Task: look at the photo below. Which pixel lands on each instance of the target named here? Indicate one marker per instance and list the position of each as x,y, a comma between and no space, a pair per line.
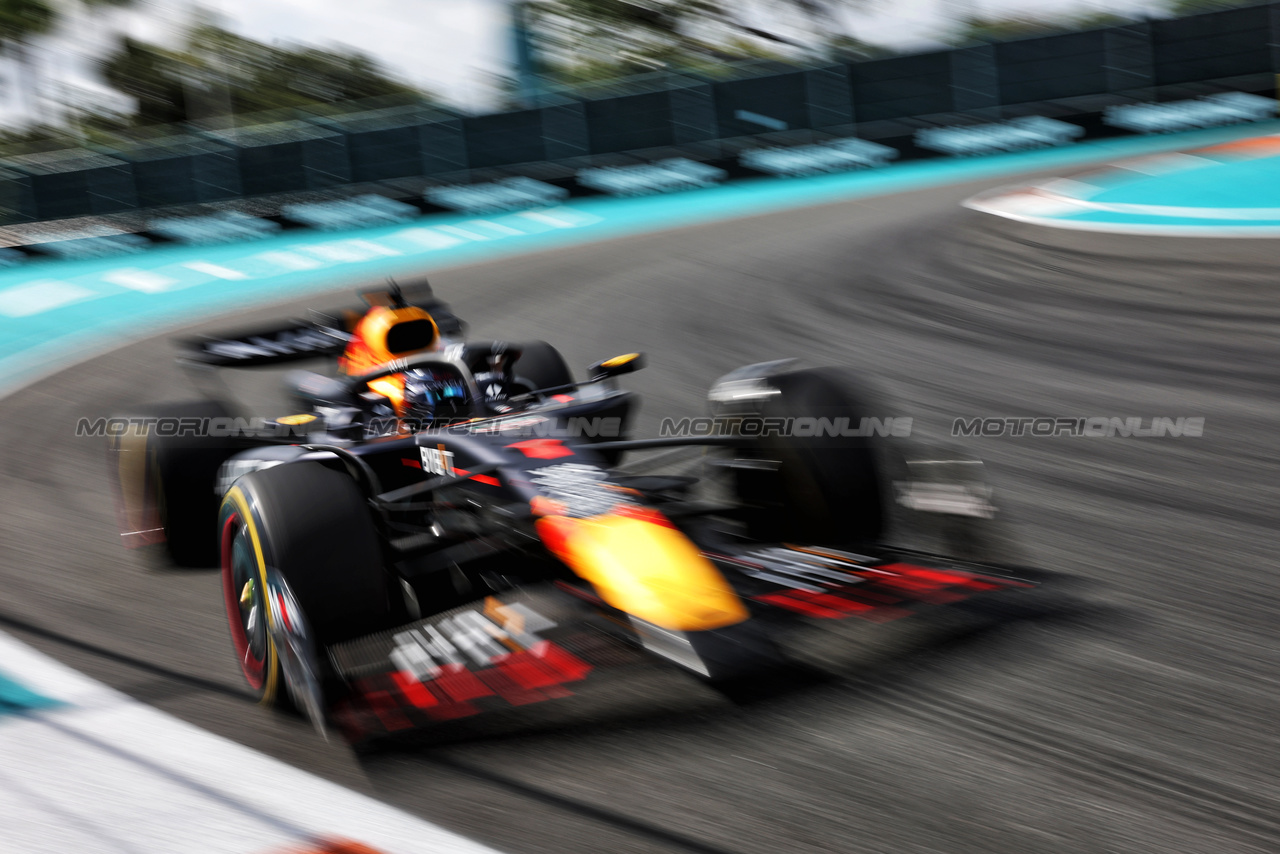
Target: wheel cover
244,589
245,606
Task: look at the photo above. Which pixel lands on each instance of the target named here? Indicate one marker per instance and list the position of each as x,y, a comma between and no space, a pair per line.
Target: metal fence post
830,101
1273,43
444,146
564,131
1130,62
17,199
975,82
693,114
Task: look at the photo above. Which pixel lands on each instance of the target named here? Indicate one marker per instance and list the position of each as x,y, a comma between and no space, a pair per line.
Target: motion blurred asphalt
1131,710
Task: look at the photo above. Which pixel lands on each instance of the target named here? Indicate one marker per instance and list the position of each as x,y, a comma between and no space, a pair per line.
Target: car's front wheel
821,485
302,568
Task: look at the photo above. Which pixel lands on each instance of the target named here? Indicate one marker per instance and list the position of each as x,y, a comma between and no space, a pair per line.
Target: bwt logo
1092,427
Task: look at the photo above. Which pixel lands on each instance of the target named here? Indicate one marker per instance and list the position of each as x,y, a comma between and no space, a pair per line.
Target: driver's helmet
383,334
430,398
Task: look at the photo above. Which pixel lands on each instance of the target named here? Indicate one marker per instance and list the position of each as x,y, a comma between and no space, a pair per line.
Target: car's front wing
826,584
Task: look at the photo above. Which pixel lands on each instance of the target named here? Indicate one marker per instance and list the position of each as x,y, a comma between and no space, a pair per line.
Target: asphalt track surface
1129,707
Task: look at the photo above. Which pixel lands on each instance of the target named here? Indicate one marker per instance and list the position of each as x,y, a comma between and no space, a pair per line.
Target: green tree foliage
709,61
218,71
851,49
983,29
591,40
154,77
1196,7
20,22
22,19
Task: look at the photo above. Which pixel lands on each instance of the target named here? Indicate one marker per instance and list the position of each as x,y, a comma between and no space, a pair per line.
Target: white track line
1039,206
107,773
39,297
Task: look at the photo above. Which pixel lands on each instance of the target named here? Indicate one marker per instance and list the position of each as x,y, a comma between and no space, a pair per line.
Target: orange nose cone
646,568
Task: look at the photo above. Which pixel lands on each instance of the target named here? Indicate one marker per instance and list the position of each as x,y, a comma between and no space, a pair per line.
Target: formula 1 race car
448,527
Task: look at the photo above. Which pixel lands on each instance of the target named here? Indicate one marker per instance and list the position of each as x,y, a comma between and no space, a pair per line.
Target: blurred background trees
208,72
219,72
995,29
1195,7
581,40
20,22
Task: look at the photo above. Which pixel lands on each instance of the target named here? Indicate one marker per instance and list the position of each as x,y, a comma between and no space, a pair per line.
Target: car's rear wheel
172,465
820,488
306,530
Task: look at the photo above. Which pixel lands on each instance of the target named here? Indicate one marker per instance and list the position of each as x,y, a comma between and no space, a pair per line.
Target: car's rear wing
289,341
324,334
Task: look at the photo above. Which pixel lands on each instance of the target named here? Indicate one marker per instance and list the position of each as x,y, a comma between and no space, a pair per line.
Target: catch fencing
406,150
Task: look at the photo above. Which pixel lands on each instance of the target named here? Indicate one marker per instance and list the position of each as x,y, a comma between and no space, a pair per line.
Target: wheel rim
245,600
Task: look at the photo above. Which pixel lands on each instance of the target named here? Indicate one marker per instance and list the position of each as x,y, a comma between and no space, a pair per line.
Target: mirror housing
616,366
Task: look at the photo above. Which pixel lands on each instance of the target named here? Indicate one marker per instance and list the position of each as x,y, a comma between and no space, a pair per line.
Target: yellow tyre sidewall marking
271,674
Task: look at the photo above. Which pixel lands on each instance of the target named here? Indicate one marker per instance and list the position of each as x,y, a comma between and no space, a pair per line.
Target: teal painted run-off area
1204,191
1227,190
56,313
1250,184
16,698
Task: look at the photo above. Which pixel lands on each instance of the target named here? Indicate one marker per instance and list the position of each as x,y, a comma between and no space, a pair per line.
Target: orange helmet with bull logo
390,329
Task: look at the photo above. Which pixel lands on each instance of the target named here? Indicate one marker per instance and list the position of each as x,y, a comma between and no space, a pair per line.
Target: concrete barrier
506,195
835,156
1229,108
664,176
224,227
1015,135
360,212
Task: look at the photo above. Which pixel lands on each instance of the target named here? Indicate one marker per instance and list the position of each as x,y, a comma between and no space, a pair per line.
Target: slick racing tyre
817,489
176,473
541,366
301,569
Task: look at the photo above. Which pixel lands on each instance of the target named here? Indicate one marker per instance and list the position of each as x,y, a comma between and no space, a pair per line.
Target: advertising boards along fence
885,100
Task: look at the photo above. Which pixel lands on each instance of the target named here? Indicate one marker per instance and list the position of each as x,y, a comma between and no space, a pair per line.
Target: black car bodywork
382,579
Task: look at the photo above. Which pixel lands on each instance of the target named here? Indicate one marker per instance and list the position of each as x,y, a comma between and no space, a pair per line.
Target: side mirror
616,366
